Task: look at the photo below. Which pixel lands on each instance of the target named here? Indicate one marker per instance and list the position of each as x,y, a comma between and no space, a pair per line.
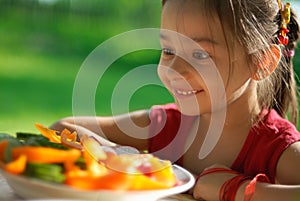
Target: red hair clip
285,12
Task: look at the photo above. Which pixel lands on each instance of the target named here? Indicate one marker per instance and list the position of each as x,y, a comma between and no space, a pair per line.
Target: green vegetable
24,136
40,140
81,163
46,172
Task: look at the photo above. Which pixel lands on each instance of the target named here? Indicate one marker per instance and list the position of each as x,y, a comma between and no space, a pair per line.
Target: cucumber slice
45,172
24,136
40,140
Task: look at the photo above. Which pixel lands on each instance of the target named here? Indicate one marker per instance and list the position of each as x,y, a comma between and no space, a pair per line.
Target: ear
268,63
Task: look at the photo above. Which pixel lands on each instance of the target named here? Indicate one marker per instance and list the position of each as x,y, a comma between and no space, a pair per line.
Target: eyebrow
204,39
196,39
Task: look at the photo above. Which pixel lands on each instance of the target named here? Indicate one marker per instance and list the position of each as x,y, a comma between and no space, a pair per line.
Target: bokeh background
43,44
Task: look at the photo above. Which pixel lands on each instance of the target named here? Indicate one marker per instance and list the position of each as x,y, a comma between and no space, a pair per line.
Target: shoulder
287,140
273,135
288,166
267,144
275,127
279,132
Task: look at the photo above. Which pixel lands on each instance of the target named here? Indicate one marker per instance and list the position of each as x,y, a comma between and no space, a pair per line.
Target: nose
177,68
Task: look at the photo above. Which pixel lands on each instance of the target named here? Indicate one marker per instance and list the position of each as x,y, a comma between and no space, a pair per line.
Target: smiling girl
228,65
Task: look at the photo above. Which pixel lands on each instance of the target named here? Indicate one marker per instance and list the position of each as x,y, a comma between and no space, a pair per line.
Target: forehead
190,18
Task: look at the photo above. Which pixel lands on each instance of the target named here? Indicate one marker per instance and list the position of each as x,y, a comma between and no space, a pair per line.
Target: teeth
185,93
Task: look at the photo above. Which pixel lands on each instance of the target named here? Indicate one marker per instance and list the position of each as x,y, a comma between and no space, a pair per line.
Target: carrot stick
46,154
48,133
70,136
17,166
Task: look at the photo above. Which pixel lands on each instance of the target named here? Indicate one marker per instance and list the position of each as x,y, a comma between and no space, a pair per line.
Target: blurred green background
44,43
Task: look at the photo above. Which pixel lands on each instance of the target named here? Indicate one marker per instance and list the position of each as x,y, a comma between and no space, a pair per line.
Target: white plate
35,189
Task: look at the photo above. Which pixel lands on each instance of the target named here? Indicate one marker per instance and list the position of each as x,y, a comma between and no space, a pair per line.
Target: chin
188,109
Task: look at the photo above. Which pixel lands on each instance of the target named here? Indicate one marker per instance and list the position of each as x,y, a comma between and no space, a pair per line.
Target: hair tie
289,53
285,13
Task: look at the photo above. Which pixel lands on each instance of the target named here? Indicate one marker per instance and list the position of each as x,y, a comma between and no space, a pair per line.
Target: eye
200,54
168,51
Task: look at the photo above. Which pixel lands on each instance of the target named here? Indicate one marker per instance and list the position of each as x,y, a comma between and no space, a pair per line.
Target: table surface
7,194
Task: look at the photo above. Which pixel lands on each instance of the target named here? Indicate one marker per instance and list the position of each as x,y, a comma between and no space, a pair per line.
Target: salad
62,158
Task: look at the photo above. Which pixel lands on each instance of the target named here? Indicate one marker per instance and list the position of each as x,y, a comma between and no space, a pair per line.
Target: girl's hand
208,186
81,131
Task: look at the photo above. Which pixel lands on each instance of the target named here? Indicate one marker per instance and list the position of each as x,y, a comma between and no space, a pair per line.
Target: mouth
185,93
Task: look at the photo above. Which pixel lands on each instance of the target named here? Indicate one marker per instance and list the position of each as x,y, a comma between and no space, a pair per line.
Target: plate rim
156,193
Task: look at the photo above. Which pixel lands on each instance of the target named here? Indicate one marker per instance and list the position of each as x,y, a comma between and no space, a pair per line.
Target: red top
260,153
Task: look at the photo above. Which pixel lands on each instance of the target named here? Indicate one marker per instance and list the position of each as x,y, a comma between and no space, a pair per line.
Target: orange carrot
48,133
70,136
17,166
69,139
46,154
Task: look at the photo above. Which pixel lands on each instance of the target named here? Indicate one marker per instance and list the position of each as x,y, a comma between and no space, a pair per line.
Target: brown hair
255,24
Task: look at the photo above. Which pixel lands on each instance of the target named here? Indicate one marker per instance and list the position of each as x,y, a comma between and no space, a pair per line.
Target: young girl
249,45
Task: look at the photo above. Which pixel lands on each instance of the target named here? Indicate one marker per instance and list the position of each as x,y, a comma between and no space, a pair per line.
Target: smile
186,92
180,92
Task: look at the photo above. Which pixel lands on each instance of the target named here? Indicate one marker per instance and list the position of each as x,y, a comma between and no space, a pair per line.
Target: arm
128,129
271,192
287,187
287,176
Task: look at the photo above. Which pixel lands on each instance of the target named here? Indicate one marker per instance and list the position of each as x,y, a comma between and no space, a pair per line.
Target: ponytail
285,100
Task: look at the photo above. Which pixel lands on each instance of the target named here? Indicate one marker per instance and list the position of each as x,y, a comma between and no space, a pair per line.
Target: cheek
239,75
223,68
161,73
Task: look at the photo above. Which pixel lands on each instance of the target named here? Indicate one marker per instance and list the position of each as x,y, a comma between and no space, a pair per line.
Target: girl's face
194,51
